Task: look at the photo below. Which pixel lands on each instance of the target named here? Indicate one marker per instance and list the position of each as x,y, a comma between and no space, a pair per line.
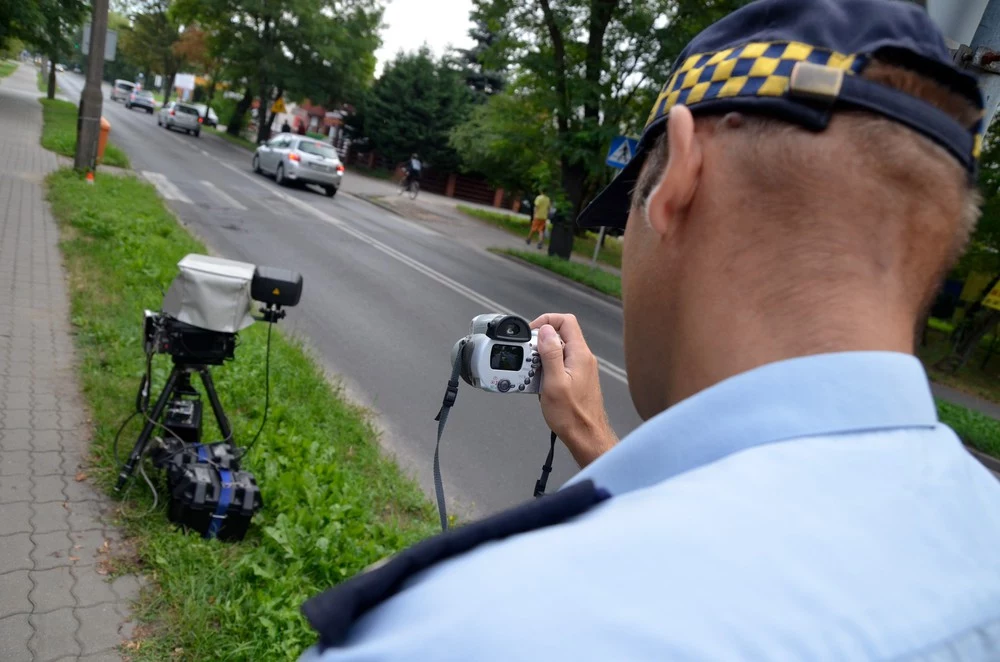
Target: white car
122,89
296,159
182,116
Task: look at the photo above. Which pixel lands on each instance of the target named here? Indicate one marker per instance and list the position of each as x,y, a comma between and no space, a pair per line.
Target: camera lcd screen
506,357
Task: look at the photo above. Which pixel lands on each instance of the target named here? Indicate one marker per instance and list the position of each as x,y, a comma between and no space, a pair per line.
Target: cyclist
412,169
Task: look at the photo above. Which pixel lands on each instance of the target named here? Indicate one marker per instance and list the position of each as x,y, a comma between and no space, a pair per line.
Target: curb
380,205
569,281
990,463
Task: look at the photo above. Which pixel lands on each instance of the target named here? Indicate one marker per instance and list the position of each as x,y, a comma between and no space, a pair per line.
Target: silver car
179,115
296,159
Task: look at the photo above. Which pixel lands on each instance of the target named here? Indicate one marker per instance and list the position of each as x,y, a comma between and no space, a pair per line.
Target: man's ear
671,197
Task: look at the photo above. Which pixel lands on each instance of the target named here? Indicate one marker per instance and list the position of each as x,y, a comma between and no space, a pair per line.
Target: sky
411,23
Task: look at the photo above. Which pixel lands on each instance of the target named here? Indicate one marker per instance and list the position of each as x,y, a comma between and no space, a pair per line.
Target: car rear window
126,86
319,149
188,110
145,94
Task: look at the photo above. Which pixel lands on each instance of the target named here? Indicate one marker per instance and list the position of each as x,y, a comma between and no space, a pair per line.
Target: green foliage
323,50
11,47
7,68
332,503
975,429
59,132
600,280
413,107
512,140
595,66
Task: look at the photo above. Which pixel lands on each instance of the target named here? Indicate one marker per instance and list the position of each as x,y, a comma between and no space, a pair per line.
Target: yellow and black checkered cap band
757,69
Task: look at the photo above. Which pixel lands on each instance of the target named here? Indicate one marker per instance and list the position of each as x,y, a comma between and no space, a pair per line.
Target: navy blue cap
798,61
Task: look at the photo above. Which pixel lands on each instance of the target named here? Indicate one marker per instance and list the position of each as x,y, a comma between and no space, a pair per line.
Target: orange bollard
102,142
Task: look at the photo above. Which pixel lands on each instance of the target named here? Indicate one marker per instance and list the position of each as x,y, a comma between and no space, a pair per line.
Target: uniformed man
804,182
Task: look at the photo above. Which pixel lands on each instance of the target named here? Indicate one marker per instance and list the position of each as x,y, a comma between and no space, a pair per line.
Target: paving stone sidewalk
56,602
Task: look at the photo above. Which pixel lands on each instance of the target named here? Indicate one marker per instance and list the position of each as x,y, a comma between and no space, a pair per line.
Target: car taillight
340,168
172,113
294,157
200,119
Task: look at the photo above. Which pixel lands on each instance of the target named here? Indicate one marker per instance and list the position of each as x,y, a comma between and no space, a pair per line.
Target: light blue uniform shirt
811,509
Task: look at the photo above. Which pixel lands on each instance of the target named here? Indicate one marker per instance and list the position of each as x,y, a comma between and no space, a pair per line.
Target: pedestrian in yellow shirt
539,218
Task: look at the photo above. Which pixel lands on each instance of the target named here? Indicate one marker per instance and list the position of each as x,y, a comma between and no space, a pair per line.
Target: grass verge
332,503
7,67
519,224
239,141
975,429
59,132
375,173
600,280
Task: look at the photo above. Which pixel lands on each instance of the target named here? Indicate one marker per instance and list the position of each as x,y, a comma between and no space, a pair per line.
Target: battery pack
217,503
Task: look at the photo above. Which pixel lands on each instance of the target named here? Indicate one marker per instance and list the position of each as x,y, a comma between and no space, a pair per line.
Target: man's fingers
565,324
551,352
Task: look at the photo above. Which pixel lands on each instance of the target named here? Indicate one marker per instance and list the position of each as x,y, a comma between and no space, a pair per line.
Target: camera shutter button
503,385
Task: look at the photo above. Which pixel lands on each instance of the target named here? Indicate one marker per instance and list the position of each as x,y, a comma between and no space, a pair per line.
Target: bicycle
412,186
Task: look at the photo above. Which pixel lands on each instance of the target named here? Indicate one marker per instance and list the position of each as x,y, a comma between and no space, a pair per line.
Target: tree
152,40
597,64
475,64
318,49
414,106
513,140
49,25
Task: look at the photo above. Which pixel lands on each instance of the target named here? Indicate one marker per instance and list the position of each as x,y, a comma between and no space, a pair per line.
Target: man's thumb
550,348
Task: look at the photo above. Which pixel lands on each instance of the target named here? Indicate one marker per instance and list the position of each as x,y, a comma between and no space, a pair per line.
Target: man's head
751,238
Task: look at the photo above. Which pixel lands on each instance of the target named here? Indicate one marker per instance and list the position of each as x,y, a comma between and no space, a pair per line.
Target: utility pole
88,123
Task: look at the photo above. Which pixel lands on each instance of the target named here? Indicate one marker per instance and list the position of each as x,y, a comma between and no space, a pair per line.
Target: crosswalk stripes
227,200
166,188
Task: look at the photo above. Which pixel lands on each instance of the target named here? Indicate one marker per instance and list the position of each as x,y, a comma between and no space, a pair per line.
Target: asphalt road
385,299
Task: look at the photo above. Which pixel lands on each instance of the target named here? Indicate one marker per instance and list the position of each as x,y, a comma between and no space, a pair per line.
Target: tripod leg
213,398
140,444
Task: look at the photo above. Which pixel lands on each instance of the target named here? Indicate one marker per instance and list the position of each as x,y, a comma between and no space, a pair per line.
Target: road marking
490,305
166,187
227,199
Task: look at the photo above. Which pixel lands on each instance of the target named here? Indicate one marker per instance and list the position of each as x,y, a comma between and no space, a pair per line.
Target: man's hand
571,398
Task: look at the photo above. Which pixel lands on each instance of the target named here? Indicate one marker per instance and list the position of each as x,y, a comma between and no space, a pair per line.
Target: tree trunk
236,121
168,86
264,95
51,92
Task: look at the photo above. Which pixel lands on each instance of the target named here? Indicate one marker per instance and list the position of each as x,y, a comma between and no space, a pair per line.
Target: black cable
267,392
114,444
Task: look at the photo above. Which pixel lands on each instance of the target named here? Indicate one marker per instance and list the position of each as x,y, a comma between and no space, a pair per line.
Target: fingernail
546,336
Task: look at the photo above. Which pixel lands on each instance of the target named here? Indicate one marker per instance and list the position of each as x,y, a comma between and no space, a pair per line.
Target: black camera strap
450,396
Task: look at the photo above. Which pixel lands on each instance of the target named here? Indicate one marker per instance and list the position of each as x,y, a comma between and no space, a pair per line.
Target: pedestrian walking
539,218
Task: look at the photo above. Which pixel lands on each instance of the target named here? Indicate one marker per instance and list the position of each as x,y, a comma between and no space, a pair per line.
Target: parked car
60,67
142,99
298,159
179,115
121,89
76,69
212,119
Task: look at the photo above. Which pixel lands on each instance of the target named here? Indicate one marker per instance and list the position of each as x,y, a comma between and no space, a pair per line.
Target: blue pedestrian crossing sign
621,152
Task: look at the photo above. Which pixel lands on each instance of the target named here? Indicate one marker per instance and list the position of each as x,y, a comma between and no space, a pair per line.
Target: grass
600,280
975,429
43,80
239,141
7,67
59,132
332,503
376,173
611,253
974,378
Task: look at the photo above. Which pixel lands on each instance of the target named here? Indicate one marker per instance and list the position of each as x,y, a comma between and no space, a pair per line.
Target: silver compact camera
500,355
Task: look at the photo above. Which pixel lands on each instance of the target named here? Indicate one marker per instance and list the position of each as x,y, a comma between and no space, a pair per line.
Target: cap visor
611,206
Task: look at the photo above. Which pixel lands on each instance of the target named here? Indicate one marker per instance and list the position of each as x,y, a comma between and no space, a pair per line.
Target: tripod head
271,313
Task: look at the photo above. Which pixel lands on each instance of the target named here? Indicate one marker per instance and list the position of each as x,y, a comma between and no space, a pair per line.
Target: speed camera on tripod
208,303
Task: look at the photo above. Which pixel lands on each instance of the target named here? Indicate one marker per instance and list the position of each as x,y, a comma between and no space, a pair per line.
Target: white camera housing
500,355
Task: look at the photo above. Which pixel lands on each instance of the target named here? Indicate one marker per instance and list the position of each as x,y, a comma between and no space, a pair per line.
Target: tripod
178,383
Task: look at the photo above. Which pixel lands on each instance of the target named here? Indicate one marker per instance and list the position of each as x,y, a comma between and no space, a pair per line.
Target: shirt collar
820,395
